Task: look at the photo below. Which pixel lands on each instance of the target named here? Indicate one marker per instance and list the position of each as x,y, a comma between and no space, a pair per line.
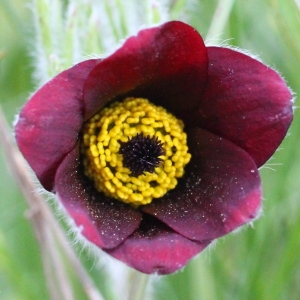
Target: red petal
154,248
103,221
49,123
246,102
167,64
219,192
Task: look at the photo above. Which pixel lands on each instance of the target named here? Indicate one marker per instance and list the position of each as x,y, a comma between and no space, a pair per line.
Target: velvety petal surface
219,192
49,123
103,221
246,102
167,64
155,248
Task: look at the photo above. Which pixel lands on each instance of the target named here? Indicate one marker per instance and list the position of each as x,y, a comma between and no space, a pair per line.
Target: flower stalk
138,285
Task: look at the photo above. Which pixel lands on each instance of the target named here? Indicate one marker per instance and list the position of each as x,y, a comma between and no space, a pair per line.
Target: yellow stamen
103,136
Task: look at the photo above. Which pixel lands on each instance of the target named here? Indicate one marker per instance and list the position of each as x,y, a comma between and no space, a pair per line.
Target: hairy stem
42,221
137,283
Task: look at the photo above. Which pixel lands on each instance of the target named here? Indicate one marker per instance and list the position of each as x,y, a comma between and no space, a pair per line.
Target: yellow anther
102,163
132,120
113,132
175,133
148,192
157,124
113,126
148,121
158,192
116,182
136,198
108,185
136,181
121,195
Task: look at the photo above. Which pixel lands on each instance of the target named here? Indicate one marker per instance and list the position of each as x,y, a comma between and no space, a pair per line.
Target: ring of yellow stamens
103,135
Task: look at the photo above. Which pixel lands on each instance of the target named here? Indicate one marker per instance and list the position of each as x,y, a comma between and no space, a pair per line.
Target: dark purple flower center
141,154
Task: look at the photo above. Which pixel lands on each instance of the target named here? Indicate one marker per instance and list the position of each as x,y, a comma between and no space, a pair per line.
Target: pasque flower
154,151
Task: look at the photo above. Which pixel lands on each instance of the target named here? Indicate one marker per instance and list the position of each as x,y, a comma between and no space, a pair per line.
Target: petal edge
245,102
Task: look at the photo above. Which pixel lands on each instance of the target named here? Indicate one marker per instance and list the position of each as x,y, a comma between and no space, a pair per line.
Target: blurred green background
258,263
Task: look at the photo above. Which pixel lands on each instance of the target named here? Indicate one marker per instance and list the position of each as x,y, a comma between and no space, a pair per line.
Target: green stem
202,281
137,285
220,18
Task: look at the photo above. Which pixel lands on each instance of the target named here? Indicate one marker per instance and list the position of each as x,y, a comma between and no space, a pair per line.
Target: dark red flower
236,112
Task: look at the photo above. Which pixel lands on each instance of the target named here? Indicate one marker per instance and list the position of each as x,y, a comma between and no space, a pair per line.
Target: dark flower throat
141,154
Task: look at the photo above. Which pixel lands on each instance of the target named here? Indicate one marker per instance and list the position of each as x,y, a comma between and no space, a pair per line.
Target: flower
235,112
